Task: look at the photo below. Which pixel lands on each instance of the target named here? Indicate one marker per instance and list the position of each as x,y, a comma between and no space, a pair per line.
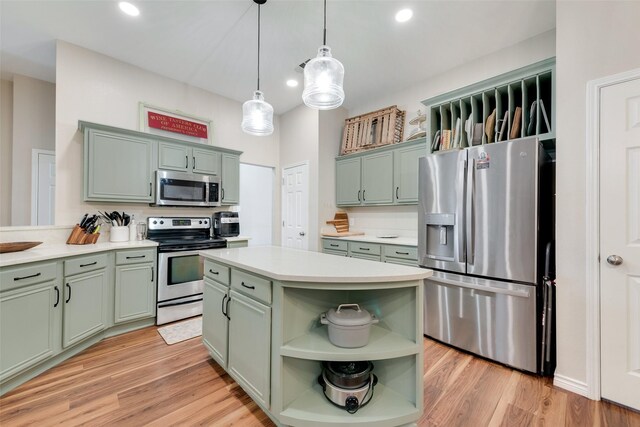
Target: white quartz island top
287,264
46,252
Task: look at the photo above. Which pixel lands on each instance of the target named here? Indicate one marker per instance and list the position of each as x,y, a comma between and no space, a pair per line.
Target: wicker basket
372,130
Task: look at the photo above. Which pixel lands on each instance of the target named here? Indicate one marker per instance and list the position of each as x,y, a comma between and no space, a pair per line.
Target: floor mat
181,331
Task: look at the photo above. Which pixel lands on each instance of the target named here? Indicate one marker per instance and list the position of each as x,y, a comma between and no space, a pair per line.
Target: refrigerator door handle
470,226
491,289
462,169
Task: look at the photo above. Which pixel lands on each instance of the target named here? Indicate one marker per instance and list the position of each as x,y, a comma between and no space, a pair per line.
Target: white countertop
402,241
305,266
46,252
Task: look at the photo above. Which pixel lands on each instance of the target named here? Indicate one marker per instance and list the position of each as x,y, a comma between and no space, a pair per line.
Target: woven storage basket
371,130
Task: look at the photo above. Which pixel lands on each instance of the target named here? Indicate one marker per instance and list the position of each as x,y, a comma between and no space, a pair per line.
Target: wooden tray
17,246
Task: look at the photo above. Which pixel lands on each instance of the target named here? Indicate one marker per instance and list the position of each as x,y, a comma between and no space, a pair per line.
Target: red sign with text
174,124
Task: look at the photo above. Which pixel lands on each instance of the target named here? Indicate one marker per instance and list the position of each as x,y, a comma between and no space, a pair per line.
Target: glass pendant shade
323,80
257,116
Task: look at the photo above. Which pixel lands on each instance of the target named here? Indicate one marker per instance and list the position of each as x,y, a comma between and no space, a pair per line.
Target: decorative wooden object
340,221
78,236
371,130
17,246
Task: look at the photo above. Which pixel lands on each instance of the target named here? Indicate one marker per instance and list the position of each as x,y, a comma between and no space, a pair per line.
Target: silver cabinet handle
302,233
614,259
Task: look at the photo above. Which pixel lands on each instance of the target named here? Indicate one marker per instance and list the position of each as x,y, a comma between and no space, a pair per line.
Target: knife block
79,237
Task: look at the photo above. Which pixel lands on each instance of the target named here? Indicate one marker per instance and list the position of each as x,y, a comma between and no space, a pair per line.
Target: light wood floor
136,379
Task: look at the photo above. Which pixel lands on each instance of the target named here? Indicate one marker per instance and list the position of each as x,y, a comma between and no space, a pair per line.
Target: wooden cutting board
344,234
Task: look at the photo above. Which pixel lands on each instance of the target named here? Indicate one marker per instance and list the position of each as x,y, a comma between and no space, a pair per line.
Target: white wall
331,123
257,210
404,220
100,89
6,141
33,127
594,39
298,144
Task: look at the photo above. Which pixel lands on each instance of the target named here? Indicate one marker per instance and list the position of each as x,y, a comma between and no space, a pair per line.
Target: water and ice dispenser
440,236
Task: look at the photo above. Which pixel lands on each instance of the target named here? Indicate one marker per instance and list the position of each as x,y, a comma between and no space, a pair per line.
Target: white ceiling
212,44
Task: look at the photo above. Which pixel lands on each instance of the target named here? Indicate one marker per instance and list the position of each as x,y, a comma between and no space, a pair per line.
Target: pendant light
257,115
323,77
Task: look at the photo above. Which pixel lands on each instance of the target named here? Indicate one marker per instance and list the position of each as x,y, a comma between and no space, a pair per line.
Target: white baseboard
572,385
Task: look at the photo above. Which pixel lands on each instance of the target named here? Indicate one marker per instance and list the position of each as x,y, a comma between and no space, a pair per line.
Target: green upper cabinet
348,190
117,167
183,158
206,161
405,173
377,178
230,179
384,176
173,157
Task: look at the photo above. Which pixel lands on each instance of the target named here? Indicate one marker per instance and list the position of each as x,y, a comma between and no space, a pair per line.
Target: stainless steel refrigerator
485,220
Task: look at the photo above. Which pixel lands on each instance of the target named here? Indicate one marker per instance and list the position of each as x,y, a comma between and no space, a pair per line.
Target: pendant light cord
258,46
324,35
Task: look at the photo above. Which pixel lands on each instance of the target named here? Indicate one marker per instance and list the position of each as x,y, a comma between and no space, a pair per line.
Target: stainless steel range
180,268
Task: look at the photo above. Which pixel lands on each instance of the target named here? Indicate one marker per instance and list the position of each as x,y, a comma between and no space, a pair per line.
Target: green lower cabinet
365,256
84,311
334,252
230,181
250,346
238,244
215,325
27,326
135,291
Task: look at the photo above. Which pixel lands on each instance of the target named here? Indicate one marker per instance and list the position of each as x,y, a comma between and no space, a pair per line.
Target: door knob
614,259
302,233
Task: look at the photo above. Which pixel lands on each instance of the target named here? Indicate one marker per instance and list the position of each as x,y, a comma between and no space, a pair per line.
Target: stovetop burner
181,234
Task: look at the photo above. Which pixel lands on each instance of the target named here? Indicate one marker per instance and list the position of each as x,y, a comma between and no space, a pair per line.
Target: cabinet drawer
332,252
400,261
11,278
364,248
334,245
85,263
251,285
366,256
216,271
134,257
404,252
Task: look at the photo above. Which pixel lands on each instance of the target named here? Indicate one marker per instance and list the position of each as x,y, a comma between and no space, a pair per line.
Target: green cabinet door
249,346
348,192
215,325
230,179
174,157
84,311
27,326
206,162
117,168
377,178
405,173
135,292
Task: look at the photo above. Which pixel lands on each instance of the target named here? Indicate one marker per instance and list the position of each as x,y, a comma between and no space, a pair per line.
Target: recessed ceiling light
128,8
292,83
404,15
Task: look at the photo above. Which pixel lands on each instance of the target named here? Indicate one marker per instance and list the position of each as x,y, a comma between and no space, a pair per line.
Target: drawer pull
57,296
87,265
248,286
402,253
333,245
135,257
213,272
27,277
365,249
69,297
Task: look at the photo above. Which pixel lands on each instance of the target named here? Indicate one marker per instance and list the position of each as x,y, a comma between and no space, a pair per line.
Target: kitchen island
261,323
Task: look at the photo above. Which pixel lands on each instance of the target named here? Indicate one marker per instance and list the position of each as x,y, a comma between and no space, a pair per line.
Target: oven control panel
181,223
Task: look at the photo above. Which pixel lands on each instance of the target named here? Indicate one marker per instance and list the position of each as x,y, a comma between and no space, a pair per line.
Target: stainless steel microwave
185,189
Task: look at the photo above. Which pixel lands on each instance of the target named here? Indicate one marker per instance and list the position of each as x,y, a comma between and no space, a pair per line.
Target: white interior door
295,207
43,187
620,242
